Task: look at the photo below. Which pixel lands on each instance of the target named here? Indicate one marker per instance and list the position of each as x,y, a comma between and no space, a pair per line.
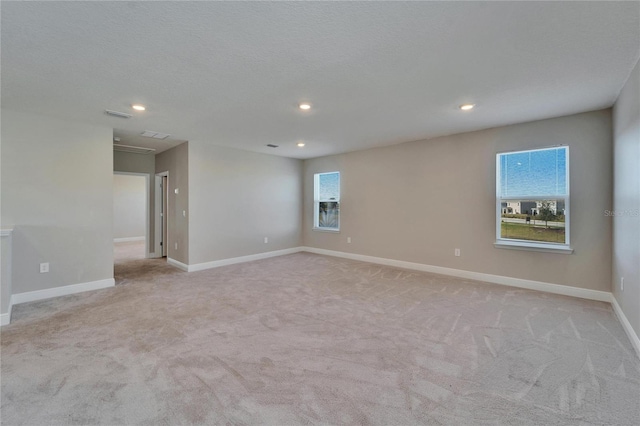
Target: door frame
147,196
160,216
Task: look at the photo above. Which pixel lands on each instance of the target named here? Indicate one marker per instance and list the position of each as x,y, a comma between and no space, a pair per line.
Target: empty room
320,213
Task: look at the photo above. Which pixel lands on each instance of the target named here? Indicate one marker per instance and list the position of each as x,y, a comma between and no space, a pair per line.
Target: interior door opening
131,211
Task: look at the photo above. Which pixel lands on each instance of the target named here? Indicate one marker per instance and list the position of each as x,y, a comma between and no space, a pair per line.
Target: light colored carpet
309,339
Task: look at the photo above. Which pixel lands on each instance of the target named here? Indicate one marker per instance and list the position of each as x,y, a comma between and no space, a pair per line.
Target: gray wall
129,206
57,179
237,198
176,162
418,201
140,163
626,199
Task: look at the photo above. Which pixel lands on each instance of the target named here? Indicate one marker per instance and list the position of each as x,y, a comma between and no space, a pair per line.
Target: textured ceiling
376,73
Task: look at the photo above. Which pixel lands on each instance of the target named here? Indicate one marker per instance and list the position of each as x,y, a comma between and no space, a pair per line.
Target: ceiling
376,73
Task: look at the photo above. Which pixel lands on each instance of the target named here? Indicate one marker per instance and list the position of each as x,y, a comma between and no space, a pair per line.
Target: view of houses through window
326,188
532,196
533,220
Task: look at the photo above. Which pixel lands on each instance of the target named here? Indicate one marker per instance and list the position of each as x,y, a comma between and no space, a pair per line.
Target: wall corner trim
635,341
5,318
32,296
178,264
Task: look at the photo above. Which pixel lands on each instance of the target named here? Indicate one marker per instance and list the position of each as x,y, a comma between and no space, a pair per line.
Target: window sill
546,248
333,230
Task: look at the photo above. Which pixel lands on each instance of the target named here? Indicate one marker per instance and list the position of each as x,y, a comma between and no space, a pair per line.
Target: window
326,206
532,199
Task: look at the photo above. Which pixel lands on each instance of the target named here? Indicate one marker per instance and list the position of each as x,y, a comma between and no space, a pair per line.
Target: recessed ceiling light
305,106
467,107
300,144
138,107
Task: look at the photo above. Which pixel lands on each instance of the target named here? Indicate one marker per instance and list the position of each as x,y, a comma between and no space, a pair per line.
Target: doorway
131,212
131,265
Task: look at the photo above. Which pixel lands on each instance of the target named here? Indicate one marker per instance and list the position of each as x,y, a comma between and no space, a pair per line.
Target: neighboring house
511,207
557,207
531,207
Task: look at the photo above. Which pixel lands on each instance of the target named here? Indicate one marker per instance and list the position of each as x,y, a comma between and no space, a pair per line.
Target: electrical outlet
348,240
175,246
266,240
621,283
177,190
457,252
44,268
184,213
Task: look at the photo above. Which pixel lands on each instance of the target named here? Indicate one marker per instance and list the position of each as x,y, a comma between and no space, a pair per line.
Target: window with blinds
532,197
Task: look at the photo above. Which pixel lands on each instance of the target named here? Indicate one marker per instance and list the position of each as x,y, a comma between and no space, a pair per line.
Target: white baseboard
635,341
241,259
566,290
128,239
178,264
32,296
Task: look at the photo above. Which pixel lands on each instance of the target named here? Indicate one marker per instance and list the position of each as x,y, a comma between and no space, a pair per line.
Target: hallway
130,264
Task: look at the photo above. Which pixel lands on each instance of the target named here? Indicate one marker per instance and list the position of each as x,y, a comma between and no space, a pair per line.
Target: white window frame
317,201
511,243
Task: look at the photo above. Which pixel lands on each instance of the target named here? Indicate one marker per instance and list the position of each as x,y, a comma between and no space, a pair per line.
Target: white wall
57,179
418,201
626,199
129,206
237,198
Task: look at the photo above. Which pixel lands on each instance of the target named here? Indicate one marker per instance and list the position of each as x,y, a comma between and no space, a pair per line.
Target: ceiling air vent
270,145
133,149
117,113
155,135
